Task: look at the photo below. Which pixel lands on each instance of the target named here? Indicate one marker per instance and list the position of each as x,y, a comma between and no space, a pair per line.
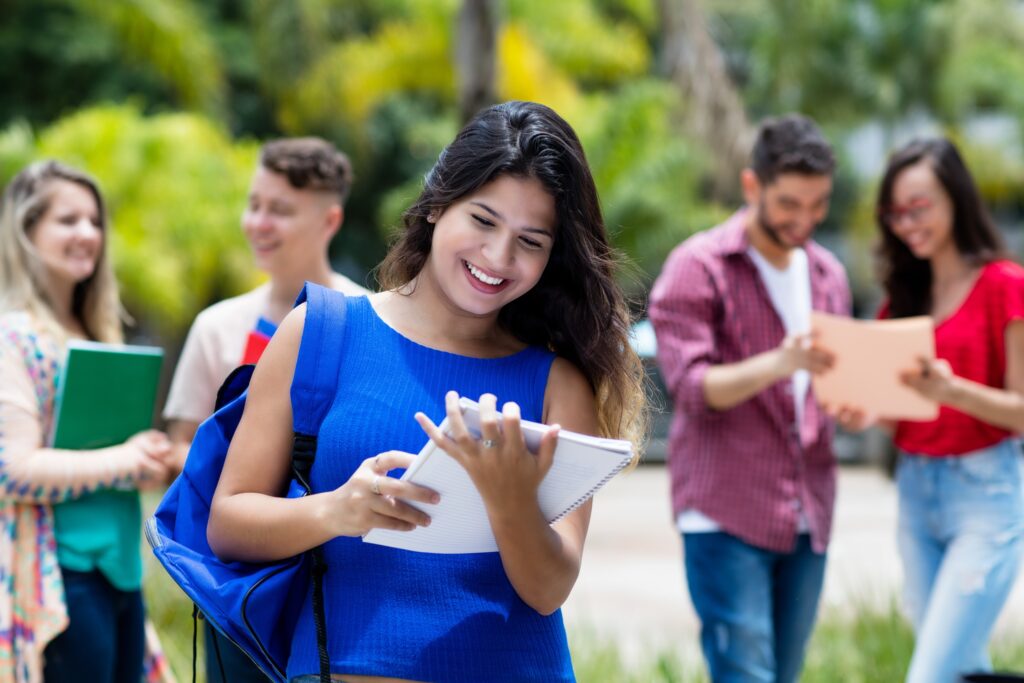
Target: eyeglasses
912,212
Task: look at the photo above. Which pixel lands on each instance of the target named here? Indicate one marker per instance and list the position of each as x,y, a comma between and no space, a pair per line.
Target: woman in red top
961,507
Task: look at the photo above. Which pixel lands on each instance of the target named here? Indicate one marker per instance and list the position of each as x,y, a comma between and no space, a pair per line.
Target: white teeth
479,275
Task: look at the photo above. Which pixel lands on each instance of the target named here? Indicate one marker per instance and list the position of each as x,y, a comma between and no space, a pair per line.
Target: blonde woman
73,603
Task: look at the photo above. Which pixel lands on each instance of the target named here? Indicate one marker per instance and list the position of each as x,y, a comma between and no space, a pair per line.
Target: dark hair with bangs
576,309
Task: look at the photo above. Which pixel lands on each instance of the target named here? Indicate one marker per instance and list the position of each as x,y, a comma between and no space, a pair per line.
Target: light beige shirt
215,345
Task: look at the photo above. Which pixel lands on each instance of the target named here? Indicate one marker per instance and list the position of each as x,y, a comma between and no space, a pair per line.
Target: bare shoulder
277,364
569,399
258,455
293,323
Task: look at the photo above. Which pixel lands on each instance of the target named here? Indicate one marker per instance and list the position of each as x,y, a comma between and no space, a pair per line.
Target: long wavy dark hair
576,309
906,278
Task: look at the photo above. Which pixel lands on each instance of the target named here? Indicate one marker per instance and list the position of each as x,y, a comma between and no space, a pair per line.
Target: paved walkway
631,588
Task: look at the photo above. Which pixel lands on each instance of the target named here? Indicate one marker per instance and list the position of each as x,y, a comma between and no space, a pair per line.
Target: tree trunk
715,112
474,56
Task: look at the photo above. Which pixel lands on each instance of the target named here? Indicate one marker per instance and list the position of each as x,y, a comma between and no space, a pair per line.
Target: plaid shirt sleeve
683,309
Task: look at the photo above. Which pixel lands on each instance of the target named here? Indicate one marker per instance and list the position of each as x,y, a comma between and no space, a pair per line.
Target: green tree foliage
175,185
378,78
985,59
389,95
56,55
648,176
592,47
171,37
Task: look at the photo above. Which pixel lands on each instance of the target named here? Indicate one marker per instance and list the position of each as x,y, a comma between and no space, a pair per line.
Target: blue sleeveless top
420,616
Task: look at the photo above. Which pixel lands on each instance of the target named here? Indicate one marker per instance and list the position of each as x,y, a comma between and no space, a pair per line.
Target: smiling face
921,214
789,208
69,236
287,228
492,246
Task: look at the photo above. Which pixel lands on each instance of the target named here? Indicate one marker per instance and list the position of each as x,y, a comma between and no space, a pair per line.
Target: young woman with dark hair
501,287
961,506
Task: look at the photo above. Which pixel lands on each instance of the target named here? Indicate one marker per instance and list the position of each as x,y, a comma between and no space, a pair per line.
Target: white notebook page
459,522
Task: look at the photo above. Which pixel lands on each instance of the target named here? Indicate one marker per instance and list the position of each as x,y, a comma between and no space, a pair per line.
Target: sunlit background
167,101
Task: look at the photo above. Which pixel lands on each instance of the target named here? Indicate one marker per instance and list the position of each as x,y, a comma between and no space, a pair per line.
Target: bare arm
686,311
542,561
249,520
51,475
1000,407
728,385
31,473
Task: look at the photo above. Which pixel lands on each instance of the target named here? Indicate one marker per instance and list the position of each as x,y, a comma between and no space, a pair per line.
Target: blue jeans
961,534
105,638
756,607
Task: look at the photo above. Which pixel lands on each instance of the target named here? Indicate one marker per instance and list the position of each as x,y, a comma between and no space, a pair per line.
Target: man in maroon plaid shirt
751,462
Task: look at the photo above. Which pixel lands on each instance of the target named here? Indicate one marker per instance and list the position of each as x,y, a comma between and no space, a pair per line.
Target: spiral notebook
459,523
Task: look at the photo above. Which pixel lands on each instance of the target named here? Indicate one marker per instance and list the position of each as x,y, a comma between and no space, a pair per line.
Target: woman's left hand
934,379
505,472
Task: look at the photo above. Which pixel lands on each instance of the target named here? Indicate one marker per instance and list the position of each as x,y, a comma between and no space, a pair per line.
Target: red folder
254,346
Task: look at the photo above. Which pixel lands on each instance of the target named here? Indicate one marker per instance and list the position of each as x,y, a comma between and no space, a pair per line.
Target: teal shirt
101,531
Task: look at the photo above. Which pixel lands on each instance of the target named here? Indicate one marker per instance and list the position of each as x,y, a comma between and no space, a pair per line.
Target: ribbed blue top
420,616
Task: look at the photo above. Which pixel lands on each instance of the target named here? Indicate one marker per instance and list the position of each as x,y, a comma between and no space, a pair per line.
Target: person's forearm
998,407
51,475
541,564
253,527
726,386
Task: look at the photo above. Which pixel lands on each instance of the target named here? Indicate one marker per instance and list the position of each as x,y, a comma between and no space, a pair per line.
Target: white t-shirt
215,346
790,294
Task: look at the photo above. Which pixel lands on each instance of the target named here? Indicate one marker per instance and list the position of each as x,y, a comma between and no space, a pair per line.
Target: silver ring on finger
375,486
488,443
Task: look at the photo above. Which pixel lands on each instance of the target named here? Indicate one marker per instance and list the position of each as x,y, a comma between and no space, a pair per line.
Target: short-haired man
295,207
752,469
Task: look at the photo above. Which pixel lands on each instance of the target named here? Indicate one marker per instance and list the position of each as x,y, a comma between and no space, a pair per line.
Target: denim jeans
961,534
105,638
756,607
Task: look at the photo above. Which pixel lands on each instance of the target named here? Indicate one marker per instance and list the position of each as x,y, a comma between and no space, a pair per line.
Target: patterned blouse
32,608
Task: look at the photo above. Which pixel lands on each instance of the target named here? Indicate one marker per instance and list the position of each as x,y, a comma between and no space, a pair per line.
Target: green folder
105,394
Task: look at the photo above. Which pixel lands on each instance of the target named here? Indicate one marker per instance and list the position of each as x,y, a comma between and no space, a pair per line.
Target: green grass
867,644
872,645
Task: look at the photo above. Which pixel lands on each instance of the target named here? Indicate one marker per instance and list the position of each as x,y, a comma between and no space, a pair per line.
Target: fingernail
435,499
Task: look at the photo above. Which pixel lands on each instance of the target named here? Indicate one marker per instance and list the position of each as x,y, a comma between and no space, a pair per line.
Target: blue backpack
256,606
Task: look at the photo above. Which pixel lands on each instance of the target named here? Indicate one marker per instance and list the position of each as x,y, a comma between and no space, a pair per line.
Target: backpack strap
316,369
314,385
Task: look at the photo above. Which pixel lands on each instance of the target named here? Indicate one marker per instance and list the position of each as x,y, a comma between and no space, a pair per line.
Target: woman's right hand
151,451
372,500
